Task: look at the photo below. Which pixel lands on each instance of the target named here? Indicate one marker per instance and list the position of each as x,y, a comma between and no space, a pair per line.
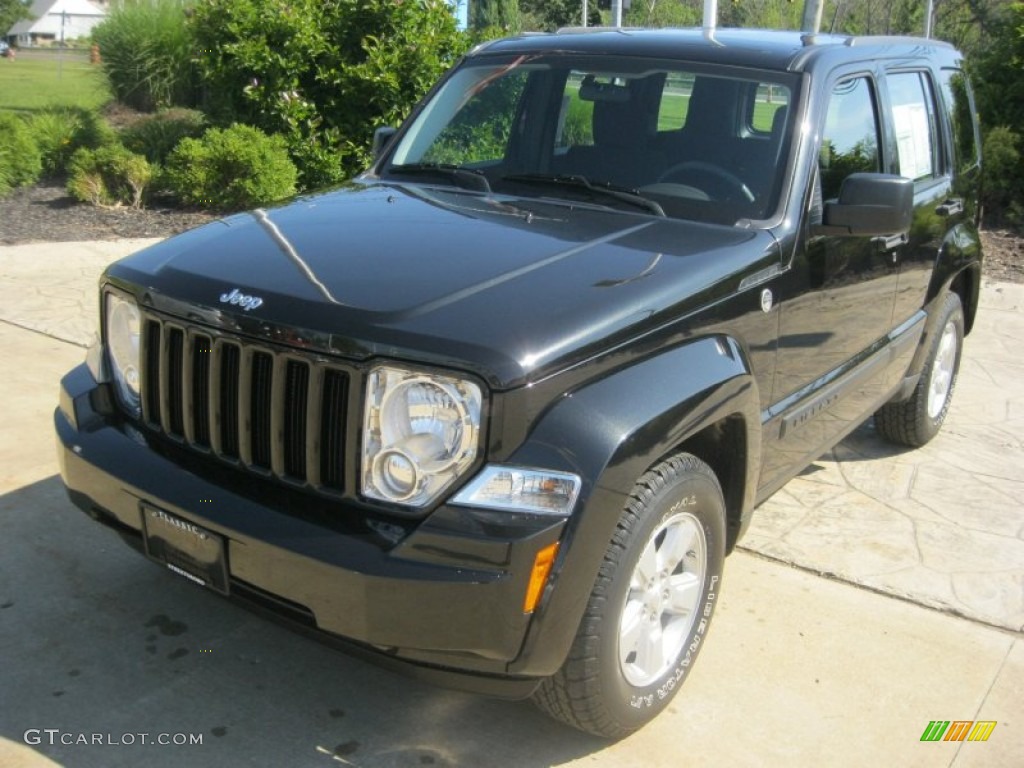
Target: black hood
509,288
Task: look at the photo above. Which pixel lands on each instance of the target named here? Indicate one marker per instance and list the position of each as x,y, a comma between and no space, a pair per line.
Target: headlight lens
421,432
123,348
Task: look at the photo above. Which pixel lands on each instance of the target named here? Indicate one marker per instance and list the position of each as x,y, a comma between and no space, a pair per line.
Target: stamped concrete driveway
98,646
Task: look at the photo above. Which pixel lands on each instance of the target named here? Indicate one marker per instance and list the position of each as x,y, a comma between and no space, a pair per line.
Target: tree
11,12
499,14
322,74
998,77
549,15
998,71
662,13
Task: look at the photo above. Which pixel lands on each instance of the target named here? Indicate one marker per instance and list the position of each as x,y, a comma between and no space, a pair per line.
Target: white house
56,20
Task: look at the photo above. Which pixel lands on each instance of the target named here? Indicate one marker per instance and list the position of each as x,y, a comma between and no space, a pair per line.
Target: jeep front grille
271,410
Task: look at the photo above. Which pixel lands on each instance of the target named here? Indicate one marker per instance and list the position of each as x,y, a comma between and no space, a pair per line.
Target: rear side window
769,100
913,118
675,101
850,140
960,106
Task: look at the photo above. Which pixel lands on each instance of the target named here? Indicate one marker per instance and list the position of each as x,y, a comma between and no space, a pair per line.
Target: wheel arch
967,285
958,269
699,398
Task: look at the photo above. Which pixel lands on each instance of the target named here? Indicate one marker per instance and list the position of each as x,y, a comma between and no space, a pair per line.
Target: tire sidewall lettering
678,674
698,499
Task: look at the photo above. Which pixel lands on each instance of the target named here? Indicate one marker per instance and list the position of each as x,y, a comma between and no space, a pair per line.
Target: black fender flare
958,261
610,432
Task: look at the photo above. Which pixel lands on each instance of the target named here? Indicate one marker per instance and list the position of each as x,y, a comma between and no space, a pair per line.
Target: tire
635,647
919,418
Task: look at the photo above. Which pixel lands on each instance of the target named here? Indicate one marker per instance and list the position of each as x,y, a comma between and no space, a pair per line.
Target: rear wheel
650,606
919,418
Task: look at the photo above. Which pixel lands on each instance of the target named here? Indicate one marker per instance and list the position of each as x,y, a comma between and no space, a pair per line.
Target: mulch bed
45,213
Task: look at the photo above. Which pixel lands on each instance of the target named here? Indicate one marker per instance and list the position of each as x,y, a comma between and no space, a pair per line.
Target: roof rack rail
584,30
855,40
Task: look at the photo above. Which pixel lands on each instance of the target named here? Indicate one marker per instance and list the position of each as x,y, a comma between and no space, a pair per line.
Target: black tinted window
850,140
959,104
913,118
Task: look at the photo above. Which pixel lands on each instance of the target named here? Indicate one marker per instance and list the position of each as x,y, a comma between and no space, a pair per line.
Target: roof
760,48
42,9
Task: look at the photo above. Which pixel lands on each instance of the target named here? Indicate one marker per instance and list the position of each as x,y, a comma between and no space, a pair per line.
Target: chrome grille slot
151,372
332,429
172,406
261,404
296,390
199,418
269,410
227,394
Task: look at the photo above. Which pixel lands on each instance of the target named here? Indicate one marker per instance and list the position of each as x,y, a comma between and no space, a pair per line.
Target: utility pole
928,18
616,13
710,15
811,23
60,51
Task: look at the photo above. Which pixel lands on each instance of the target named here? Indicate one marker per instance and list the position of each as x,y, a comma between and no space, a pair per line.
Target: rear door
913,118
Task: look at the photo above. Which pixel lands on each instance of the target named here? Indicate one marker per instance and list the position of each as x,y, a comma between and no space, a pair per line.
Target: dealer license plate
187,549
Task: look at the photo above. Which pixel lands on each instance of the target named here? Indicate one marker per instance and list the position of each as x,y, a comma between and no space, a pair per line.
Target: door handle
951,207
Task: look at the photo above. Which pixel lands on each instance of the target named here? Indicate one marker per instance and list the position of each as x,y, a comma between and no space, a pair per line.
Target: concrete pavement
799,669
942,525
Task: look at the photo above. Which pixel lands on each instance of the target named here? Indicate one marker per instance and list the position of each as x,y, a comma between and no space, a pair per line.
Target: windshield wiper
476,177
594,188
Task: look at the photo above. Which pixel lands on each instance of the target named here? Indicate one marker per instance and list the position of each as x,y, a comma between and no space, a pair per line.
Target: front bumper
442,599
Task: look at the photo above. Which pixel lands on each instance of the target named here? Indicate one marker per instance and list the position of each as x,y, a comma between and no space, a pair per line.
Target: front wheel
919,418
650,606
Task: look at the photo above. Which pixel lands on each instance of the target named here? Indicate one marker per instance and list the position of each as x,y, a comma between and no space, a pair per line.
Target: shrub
60,131
146,50
20,162
1003,184
156,135
323,74
231,169
109,175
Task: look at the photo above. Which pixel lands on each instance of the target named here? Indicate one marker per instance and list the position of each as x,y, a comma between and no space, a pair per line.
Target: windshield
690,142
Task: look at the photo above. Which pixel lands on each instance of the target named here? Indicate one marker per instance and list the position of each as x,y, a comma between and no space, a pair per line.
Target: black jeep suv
496,410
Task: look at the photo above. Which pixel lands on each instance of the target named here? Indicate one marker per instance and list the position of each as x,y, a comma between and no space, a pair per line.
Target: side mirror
381,138
870,205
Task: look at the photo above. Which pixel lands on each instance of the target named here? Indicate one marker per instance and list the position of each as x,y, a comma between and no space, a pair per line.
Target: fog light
396,473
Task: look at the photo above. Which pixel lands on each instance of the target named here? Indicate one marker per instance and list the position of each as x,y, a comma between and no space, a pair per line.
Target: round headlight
421,408
123,344
421,433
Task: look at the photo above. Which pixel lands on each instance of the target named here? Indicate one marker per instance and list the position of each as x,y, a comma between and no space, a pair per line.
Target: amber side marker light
539,576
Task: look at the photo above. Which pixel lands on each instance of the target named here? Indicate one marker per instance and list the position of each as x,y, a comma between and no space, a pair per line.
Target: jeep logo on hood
241,299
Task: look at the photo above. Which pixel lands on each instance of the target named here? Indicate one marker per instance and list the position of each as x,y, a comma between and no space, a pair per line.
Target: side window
849,142
913,117
959,105
675,101
769,99
576,121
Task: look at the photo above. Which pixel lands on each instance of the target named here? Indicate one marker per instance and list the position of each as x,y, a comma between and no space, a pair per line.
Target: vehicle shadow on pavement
100,644
863,444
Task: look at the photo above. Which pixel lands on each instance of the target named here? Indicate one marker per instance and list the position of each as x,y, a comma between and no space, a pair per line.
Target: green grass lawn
29,83
674,107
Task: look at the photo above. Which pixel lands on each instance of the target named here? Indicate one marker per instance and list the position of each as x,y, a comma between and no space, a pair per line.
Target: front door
838,298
